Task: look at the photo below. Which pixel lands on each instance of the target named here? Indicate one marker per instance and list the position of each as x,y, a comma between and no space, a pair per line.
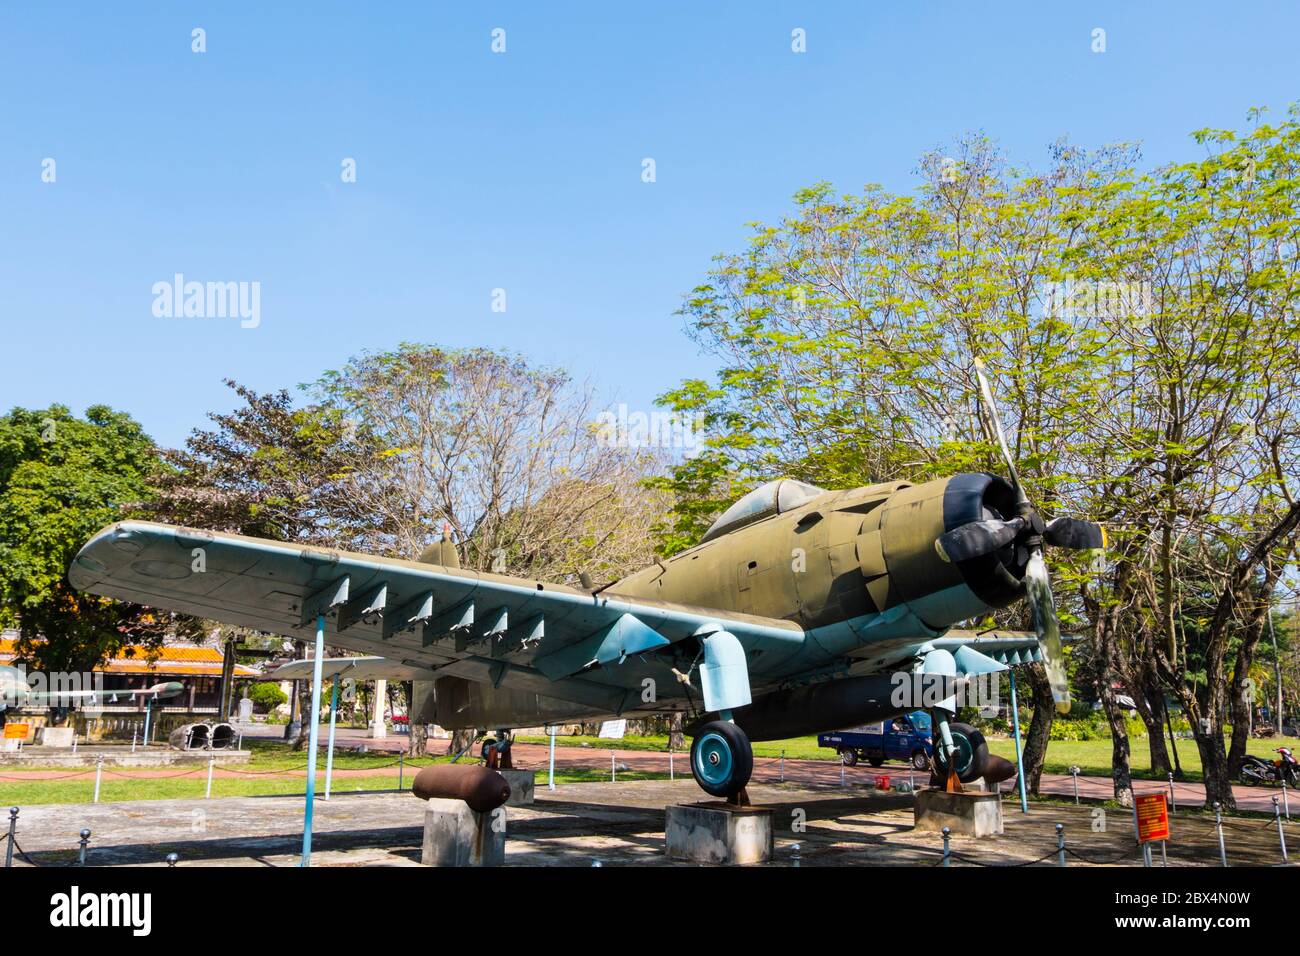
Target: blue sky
520,171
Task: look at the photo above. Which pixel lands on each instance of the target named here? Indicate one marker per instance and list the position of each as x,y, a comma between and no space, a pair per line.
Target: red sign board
1152,818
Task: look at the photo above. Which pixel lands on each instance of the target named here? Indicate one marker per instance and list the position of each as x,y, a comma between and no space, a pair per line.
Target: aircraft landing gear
722,759
970,754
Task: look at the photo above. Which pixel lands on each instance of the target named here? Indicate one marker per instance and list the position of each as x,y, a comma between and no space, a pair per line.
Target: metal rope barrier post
1218,825
1060,844
1281,836
211,763
99,773
1173,803
172,858
672,771
329,750
1074,772
312,739
1015,722
613,773
1286,800
783,765
842,783
401,770
85,845
947,850
134,733
9,843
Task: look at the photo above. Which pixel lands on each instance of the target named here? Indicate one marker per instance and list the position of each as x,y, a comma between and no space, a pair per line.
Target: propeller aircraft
798,613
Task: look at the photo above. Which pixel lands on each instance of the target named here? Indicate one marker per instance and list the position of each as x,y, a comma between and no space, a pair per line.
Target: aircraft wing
513,632
357,668
1005,647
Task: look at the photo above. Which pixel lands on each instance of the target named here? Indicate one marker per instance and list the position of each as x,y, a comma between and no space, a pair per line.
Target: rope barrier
22,854
165,776
1102,861
66,776
965,859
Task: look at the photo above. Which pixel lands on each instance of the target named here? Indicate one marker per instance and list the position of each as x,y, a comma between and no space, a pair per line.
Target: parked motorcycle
1258,770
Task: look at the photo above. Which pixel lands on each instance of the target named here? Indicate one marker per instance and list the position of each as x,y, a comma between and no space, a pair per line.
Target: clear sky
519,170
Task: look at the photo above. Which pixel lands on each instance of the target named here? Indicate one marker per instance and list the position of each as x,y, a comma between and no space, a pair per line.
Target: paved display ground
610,824
1255,799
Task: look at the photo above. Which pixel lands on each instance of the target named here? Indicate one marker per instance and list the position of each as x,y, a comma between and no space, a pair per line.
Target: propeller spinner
1025,530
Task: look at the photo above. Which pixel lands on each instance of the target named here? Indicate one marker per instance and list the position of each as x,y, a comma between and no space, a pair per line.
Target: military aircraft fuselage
857,570
845,555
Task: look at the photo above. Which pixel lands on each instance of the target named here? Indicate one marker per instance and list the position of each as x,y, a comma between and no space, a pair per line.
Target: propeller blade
1043,607
1075,533
976,538
991,409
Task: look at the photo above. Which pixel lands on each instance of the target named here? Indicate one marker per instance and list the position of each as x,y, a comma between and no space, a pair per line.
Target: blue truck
906,737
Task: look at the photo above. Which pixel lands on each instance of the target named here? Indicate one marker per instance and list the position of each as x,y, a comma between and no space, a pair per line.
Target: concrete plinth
718,833
521,786
454,835
55,736
973,813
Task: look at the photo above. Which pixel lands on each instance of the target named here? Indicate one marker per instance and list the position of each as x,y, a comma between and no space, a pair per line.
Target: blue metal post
329,753
312,739
1020,765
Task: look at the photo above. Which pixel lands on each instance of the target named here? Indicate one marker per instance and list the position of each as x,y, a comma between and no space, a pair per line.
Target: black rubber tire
979,750
876,761
920,760
849,758
742,758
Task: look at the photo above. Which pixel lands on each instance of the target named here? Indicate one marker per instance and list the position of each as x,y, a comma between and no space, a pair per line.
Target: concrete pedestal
454,835
55,736
521,786
972,813
718,833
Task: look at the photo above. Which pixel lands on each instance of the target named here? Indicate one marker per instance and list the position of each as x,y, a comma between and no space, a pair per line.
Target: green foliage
62,478
266,696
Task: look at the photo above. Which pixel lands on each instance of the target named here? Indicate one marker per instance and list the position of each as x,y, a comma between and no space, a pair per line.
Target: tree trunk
1120,768
1151,708
461,740
676,738
418,745
1214,768
309,717
1040,727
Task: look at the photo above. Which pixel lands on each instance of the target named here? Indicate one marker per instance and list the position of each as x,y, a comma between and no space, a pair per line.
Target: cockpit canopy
773,498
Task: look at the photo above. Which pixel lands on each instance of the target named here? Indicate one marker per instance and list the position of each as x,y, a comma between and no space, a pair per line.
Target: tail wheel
972,753
721,759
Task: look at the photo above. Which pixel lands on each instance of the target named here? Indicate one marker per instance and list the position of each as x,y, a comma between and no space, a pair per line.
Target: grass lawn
1093,757
81,789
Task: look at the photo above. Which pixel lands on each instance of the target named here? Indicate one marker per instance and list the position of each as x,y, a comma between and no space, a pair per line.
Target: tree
62,478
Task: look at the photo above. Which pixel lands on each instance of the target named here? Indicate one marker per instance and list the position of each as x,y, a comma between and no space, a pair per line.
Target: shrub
267,696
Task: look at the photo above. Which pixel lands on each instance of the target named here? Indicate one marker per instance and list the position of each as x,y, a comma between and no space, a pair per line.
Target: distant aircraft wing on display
512,632
354,668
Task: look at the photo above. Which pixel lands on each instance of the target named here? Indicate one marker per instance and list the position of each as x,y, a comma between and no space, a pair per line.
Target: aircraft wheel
920,760
972,753
721,759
